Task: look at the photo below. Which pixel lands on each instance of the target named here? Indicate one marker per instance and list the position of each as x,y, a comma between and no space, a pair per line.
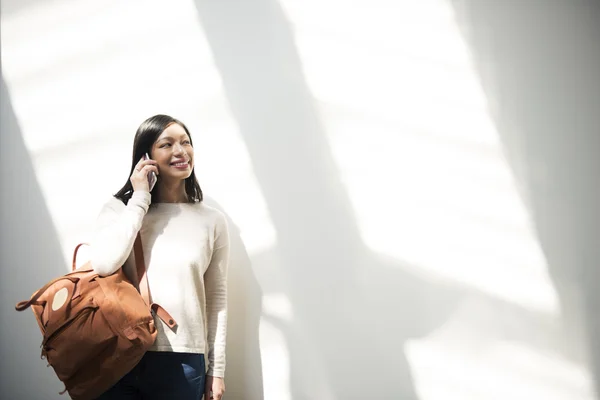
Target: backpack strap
74,264
140,266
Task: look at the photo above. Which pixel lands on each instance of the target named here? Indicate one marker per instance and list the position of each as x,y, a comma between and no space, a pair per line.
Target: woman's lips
181,165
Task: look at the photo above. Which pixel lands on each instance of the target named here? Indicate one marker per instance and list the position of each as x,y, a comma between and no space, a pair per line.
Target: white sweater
186,250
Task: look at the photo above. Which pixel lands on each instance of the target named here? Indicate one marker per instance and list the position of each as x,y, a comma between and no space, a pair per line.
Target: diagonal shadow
244,299
544,91
30,256
352,310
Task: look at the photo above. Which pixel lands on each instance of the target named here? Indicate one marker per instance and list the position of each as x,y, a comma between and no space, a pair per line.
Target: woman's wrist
140,198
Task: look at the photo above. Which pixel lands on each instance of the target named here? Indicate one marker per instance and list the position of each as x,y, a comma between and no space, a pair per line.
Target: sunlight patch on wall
497,371
65,60
275,362
417,150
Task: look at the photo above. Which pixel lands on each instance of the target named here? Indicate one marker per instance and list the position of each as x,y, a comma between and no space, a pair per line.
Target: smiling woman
174,155
169,144
185,244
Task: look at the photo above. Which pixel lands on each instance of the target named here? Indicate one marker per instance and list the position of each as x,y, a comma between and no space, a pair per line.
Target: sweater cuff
141,199
217,373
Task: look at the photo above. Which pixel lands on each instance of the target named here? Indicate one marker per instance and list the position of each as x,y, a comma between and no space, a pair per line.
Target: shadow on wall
244,367
544,94
30,256
352,310
15,6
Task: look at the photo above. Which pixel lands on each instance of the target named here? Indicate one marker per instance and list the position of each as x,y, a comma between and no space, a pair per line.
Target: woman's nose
178,149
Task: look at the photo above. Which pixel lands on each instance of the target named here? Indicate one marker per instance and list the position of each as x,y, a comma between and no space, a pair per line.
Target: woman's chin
169,179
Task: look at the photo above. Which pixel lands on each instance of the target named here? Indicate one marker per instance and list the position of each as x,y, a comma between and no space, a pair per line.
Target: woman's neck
171,193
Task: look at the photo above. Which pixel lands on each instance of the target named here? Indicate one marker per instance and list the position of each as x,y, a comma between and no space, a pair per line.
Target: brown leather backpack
95,329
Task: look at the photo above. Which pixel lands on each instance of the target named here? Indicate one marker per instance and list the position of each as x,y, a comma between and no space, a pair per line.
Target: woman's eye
186,142
165,145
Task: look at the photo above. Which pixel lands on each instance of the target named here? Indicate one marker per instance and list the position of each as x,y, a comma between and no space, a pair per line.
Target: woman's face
173,153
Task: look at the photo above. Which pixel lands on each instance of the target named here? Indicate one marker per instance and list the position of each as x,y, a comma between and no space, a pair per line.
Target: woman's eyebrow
170,138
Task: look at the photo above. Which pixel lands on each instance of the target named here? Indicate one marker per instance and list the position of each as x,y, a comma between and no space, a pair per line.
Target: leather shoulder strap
140,269
74,263
140,266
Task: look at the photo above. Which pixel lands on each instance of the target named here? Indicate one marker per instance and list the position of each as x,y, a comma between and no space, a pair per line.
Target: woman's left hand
214,389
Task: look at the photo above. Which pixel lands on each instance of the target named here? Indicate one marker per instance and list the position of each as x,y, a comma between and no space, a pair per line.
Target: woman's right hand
139,177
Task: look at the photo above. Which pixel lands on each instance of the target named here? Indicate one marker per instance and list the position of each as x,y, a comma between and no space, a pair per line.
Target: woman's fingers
139,176
149,168
142,163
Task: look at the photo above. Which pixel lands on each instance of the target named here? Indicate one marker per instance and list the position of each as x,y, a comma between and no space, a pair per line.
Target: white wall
381,244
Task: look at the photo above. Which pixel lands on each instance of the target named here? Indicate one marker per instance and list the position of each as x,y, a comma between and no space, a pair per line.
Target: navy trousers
162,376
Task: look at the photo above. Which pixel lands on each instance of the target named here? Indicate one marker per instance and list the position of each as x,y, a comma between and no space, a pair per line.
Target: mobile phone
151,175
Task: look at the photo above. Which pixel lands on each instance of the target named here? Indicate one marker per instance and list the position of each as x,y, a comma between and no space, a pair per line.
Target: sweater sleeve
116,228
215,282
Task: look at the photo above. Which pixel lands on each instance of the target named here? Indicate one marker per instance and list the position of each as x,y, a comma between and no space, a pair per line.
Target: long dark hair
145,137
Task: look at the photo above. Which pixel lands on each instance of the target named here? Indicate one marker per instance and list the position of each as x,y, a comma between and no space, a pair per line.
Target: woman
186,250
